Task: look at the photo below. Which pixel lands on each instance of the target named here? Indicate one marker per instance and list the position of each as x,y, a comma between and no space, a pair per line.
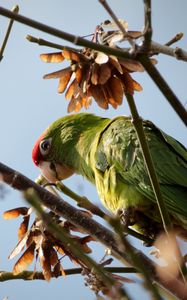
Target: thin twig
155,48
30,275
147,26
15,9
42,42
175,39
177,52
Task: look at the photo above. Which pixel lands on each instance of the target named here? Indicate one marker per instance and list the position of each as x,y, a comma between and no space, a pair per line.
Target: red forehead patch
36,154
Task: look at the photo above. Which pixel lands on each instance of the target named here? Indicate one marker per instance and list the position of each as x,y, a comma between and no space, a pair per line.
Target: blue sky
29,104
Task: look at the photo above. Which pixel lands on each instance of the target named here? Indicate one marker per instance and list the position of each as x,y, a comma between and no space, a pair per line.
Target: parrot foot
141,222
127,216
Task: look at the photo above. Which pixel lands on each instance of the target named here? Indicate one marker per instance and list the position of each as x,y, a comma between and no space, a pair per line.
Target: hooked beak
54,171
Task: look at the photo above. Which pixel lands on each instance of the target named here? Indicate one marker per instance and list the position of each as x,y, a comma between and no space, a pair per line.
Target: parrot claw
127,216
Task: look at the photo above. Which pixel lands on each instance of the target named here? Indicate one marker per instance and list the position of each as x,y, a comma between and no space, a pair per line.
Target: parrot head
62,148
45,156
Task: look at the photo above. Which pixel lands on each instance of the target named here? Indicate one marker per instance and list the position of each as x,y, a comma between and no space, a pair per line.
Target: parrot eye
45,146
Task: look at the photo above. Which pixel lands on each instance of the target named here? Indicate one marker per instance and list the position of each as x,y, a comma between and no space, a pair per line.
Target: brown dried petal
44,256
72,90
55,57
20,245
25,260
63,82
23,227
87,71
87,102
71,55
114,62
78,75
109,96
128,83
77,103
57,269
15,212
98,94
131,65
104,73
95,74
116,89
137,87
53,257
58,74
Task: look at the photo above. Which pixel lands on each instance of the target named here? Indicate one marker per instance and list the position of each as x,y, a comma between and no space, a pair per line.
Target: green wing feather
118,152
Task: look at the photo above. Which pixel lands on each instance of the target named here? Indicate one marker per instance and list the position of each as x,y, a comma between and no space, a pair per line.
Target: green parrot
107,153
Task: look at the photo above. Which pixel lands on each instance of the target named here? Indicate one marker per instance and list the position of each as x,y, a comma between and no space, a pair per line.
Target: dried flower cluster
38,243
94,74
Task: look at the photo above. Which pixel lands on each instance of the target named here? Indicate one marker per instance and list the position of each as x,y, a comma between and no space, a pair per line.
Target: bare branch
147,26
155,48
175,39
177,52
42,42
30,275
15,9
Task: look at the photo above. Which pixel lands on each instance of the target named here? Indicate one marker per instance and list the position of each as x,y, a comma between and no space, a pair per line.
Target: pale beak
54,171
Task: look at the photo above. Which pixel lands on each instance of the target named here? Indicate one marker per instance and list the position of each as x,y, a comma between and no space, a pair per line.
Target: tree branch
155,48
176,52
15,9
30,275
147,26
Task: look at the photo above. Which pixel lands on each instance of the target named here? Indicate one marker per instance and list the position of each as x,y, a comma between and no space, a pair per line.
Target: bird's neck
81,146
